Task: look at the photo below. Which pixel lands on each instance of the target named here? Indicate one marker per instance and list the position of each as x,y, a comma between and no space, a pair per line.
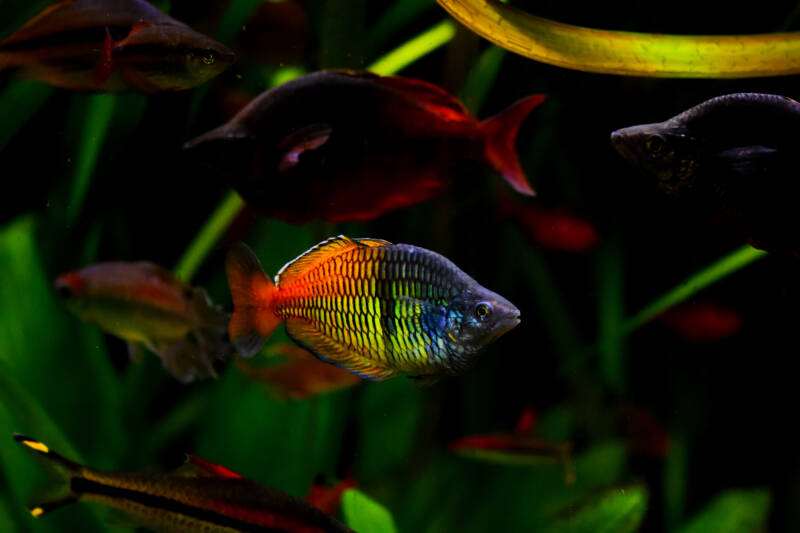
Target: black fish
733,156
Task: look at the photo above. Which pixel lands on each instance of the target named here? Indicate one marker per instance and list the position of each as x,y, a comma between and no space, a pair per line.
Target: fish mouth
618,139
506,324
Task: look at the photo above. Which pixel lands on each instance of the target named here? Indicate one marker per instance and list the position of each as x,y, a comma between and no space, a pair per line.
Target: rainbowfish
732,159
347,145
628,53
368,306
302,376
113,45
200,497
144,303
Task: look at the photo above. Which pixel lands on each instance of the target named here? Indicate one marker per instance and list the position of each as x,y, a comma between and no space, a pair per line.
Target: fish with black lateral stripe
202,496
113,45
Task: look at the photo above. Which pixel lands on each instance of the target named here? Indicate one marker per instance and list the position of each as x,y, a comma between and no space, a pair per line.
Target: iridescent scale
386,304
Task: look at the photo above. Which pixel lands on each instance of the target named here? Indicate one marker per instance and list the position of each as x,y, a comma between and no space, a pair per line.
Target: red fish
207,498
342,145
518,448
302,376
113,45
701,321
645,434
552,228
144,303
326,498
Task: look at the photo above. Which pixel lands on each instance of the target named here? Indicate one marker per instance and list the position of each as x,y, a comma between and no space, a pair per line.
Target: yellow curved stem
629,53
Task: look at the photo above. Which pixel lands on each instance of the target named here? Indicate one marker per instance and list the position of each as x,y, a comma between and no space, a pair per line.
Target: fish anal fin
322,252
302,141
500,133
331,351
184,360
134,352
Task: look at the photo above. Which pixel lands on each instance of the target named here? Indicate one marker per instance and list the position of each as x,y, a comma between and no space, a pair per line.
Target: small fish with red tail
113,45
345,145
519,448
302,376
368,306
144,303
200,497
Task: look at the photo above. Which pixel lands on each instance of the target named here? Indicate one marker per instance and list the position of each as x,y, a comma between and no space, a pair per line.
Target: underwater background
669,430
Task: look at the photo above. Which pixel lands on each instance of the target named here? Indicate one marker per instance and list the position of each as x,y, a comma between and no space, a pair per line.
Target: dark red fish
551,228
327,499
644,433
301,376
113,45
701,321
341,145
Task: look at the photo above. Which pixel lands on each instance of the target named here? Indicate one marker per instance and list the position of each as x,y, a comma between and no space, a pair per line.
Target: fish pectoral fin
301,142
747,161
331,351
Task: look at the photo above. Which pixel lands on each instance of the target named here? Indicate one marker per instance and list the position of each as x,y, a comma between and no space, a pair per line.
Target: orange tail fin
253,319
500,132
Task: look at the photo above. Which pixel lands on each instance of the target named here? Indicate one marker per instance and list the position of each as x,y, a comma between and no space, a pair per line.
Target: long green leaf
616,510
411,51
733,511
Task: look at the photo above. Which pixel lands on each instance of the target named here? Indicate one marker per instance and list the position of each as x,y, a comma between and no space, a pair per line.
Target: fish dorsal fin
322,252
432,97
197,466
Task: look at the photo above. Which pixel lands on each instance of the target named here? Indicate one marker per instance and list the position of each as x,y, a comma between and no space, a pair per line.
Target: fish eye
208,58
63,289
482,310
655,145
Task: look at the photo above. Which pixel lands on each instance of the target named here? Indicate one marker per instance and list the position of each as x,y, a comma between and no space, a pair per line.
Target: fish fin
301,141
185,360
747,161
319,253
330,351
134,352
500,133
253,319
105,67
63,470
432,97
206,467
204,311
424,380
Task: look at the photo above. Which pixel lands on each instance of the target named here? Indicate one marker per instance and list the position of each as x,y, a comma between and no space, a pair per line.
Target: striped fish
204,497
368,306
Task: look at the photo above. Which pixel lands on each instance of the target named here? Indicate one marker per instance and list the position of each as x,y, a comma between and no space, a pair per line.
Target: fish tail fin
253,319
500,133
63,469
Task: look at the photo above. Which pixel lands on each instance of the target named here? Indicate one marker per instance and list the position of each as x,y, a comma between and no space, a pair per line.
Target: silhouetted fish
340,145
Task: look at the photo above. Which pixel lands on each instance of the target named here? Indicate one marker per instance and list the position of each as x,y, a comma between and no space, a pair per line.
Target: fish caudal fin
500,133
64,470
253,319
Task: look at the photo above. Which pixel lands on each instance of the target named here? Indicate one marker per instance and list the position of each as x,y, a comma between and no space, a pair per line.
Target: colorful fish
144,303
113,45
368,306
302,376
702,321
519,448
732,159
627,53
201,497
342,145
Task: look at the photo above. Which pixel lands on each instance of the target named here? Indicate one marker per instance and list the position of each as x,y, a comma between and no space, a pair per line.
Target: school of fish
342,145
